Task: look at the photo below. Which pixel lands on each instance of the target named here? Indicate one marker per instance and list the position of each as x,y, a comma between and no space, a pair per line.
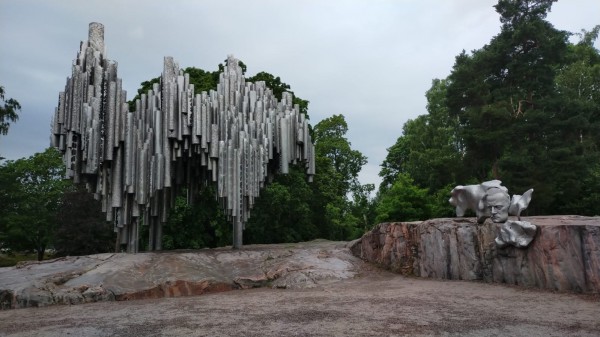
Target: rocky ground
365,301
563,256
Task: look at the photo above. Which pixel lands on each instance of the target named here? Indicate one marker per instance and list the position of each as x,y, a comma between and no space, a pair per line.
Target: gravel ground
375,304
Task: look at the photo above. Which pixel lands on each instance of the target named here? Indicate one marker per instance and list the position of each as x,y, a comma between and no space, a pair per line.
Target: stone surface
564,255
376,303
106,277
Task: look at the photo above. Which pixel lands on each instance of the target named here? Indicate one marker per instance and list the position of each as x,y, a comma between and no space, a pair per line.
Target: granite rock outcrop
563,256
121,276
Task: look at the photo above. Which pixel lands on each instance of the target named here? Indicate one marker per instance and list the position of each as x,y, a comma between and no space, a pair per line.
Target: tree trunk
40,253
495,169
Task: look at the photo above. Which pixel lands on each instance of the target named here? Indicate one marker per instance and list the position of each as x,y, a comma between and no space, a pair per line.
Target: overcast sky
370,60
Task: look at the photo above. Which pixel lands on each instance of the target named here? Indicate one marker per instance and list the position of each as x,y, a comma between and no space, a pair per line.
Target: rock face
106,277
564,255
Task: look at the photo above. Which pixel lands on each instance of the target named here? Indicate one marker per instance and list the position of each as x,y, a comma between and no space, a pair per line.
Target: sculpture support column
237,234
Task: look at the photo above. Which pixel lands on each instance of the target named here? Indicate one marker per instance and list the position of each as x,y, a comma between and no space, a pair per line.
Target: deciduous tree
31,191
8,112
81,227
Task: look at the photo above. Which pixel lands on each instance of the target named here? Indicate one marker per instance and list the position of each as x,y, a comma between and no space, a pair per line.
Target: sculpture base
563,256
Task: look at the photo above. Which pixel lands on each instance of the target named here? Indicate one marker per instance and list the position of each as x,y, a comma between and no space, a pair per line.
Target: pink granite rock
106,277
564,255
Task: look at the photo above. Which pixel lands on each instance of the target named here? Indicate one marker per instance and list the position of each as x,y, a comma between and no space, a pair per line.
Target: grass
11,259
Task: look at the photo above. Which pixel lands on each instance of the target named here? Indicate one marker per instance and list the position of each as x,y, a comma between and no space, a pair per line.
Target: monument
137,162
491,200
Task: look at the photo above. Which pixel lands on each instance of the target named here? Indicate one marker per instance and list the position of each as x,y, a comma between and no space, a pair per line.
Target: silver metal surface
137,162
491,200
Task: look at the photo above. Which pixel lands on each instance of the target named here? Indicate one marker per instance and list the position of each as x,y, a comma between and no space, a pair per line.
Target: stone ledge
564,255
121,277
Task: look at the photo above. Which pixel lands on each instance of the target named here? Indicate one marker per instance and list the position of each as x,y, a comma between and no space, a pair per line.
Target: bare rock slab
564,255
106,277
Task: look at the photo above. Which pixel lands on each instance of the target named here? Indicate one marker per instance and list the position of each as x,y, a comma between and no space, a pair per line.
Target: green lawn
9,260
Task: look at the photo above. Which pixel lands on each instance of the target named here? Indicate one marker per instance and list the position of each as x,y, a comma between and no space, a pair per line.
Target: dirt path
379,304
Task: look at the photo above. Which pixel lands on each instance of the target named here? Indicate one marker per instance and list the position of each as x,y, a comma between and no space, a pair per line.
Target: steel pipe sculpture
136,162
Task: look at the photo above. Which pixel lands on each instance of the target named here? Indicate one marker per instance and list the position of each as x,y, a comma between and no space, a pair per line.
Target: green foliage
146,85
517,12
589,204
362,208
338,166
81,227
8,112
521,107
282,213
524,108
404,202
438,203
394,163
429,155
429,150
11,258
203,80
278,87
329,136
289,209
495,91
198,225
30,193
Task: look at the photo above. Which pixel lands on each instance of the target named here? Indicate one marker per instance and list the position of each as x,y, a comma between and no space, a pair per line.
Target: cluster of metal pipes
136,162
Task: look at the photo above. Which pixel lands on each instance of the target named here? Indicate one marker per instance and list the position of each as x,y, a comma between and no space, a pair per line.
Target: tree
338,166
404,202
81,227
8,112
201,79
525,108
31,191
514,123
197,225
282,212
429,150
518,12
498,92
289,208
394,162
279,87
330,141
362,206
577,106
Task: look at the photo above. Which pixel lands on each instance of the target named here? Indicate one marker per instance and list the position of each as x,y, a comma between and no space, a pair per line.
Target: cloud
372,61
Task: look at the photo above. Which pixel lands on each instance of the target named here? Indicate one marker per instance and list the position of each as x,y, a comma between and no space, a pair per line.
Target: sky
369,60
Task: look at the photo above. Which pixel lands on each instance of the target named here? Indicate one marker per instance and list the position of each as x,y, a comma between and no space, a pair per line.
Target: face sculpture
497,203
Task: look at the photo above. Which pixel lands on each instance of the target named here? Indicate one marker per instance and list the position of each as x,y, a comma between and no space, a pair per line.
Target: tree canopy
523,108
8,112
31,191
289,208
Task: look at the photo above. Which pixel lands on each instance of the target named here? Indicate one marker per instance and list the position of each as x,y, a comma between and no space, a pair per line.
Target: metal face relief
491,200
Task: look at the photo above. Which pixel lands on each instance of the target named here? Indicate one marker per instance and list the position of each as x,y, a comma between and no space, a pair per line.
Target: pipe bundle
137,162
